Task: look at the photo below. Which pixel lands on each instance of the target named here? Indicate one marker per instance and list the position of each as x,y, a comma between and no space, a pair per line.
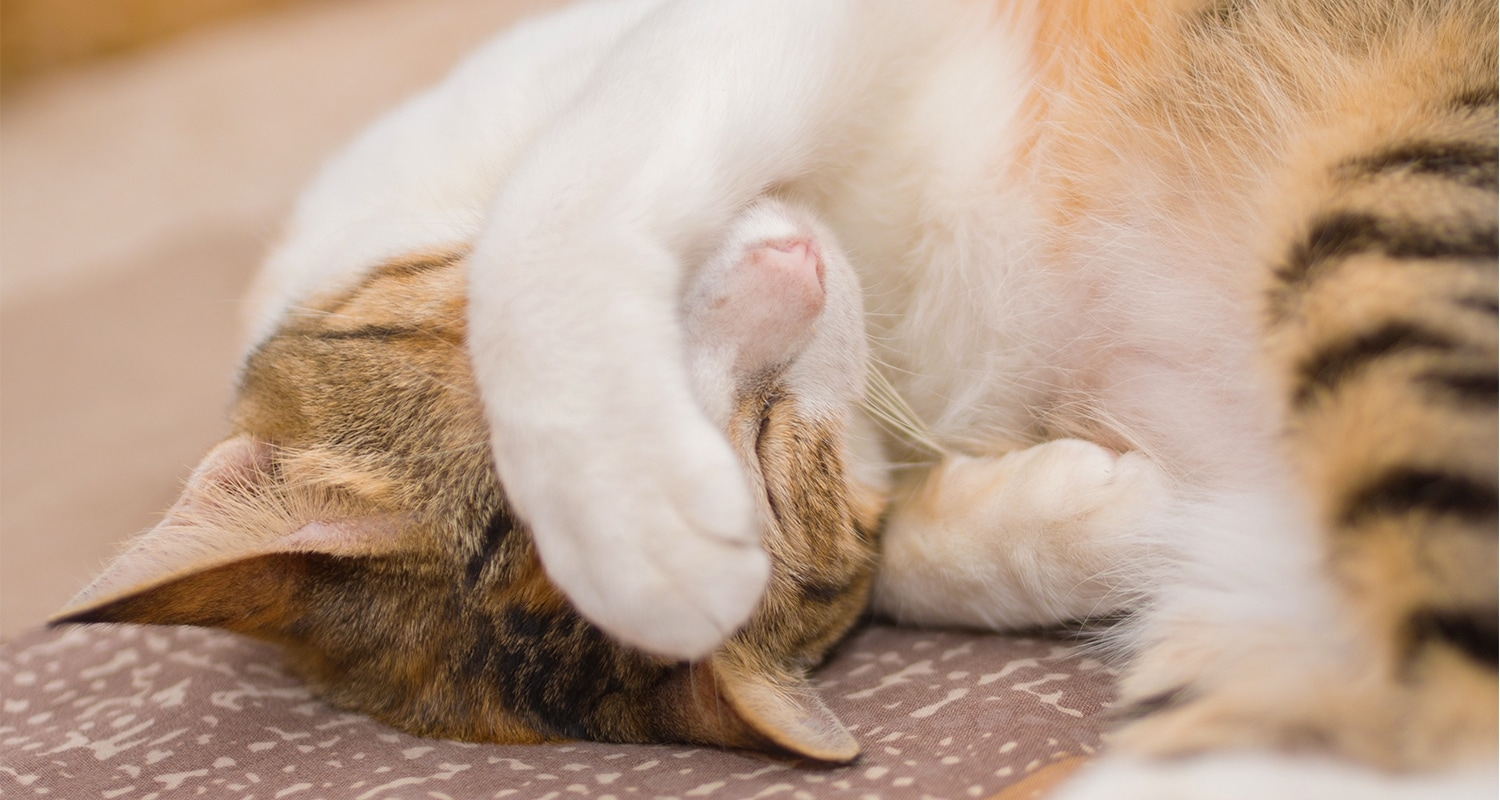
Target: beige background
137,194
41,35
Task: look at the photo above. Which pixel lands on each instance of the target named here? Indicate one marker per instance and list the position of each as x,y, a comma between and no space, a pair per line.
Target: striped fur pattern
1391,399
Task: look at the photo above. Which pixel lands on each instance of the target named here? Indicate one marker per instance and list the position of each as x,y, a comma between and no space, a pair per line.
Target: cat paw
1078,483
639,506
664,555
1036,537
662,551
1068,488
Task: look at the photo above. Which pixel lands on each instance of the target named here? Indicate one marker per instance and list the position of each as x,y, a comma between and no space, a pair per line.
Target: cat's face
355,517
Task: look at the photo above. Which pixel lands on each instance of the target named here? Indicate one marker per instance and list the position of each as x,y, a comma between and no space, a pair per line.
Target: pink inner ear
358,536
211,525
237,464
237,460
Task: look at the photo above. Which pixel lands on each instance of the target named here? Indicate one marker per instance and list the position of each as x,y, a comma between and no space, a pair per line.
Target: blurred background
149,150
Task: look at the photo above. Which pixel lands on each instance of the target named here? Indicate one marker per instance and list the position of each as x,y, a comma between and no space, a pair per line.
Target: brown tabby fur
441,621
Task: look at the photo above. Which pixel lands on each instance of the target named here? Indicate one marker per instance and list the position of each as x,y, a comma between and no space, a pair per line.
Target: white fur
635,496
1262,776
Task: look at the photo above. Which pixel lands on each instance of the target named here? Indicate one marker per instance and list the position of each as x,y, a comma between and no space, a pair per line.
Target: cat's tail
1382,323
1349,607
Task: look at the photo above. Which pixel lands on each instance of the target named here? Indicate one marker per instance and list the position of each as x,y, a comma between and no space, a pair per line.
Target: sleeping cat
1180,306
354,515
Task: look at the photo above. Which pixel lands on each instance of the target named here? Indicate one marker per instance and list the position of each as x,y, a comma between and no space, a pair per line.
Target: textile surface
138,713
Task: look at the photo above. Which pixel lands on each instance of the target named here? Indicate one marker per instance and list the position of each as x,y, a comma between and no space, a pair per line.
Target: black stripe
1471,632
1474,99
1324,370
499,528
1470,164
1332,236
1484,305
376,332
415,266
1474,386
1403,490
556,670
820,592
1152,704
1344,233
1222,13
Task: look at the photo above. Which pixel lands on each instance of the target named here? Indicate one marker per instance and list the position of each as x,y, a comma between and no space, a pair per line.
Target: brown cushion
141,712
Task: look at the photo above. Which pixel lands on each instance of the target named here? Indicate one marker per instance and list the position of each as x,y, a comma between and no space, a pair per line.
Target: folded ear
739,705
233,539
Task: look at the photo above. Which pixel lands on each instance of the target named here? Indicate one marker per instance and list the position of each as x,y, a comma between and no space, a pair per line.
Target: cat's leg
640,511
1055,532
418,179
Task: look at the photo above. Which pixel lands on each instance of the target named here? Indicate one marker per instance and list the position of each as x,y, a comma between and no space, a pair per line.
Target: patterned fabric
136,713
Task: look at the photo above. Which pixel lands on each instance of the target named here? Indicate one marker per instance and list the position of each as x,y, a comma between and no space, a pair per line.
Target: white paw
662,550
693,580
1071,481
641,511
1036,537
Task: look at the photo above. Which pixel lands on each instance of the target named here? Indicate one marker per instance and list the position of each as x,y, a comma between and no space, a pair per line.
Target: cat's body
1249,245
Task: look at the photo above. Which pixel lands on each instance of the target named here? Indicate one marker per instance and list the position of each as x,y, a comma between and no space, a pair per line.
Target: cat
354,517
1184,308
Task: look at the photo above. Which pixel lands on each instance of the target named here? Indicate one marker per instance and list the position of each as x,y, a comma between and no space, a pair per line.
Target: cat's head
355,517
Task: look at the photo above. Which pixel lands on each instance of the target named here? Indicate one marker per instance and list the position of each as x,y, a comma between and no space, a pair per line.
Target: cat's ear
741,706
231,540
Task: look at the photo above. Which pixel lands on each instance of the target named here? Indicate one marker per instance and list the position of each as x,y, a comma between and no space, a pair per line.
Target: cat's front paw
1038,536
661,552
1075,482
639,506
